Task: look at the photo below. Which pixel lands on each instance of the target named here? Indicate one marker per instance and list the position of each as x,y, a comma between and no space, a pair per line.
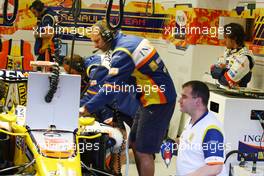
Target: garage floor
160,167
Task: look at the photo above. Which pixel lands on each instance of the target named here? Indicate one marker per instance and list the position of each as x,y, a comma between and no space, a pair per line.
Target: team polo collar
205,114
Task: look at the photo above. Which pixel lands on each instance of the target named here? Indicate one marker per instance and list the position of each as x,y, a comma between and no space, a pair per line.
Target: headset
106,33
76,65
37,5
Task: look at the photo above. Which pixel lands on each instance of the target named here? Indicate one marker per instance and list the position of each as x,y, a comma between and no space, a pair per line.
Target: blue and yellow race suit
48,19
97,68
135,66
234,68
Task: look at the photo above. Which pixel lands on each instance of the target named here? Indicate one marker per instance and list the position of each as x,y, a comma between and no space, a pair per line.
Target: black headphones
106,33
76,65
37,5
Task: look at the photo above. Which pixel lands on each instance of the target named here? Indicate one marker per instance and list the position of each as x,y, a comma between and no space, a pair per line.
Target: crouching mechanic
234,68
201,145
135,62
93,71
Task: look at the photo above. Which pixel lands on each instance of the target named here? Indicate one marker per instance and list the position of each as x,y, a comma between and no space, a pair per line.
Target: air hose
120,17
54,78
234,152
75,11
153,8
119,124
11,20
54,81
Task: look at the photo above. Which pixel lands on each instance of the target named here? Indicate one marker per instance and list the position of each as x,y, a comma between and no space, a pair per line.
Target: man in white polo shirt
201,145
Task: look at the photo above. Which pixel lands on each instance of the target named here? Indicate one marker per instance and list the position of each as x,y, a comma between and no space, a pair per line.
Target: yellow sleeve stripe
211,127
91,92
124,50
88,70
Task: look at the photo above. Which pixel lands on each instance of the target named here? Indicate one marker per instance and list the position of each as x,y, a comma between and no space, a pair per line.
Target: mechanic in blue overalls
93,70
134,61
44,32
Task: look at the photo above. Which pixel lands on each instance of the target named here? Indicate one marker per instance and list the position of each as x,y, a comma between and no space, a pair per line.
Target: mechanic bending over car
93,71
134,61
